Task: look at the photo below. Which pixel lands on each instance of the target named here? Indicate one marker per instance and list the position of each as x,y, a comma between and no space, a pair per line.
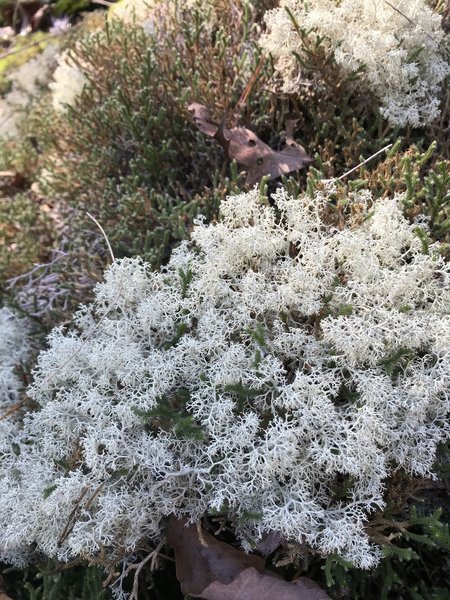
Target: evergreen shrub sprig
126,150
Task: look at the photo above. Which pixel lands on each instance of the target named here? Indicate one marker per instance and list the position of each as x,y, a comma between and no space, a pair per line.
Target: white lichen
68,83
278,369
14,350
398,49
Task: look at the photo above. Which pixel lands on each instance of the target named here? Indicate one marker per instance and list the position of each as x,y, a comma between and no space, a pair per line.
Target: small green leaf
49,491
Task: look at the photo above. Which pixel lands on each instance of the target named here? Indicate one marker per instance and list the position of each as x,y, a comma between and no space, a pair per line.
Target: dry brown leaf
202,119
291,125
268,543
247,149
278,163
3,595
210,569
200,562
252,585
13,178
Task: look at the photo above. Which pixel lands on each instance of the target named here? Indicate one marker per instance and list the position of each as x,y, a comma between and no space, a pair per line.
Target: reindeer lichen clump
278,370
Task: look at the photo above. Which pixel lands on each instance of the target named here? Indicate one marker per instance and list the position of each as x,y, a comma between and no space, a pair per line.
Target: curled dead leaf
202,119
291,125
201,560
252,585
268,543
210,569
244,146
3,595
12,178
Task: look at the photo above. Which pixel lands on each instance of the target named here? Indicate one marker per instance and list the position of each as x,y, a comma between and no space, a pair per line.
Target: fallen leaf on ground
247,149
14,178
252,585
202,118
291,124
268,543
3,595
210,569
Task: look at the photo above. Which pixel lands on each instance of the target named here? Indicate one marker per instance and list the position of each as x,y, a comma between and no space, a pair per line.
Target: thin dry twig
250,85
12,409
28,46
71,520
137,567
364,162
94,495
104,235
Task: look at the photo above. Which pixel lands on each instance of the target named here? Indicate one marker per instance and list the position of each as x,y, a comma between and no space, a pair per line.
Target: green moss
71,7
23,49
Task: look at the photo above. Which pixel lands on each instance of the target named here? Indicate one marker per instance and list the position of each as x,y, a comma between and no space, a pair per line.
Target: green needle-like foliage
128,151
